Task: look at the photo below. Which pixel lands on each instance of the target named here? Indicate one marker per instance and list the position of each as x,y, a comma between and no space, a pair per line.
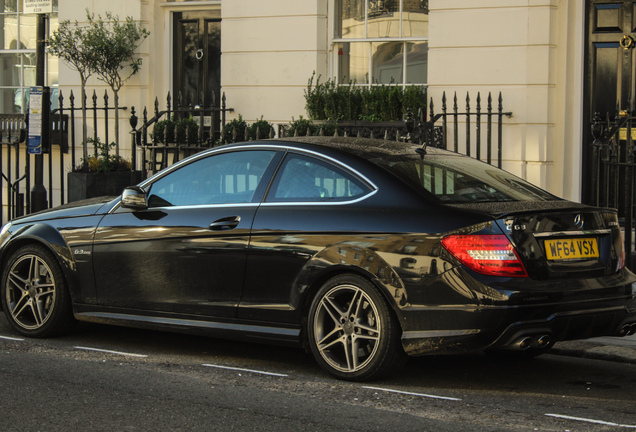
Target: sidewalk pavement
618,349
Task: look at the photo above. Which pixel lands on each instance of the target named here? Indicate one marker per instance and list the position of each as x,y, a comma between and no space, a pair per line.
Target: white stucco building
540,54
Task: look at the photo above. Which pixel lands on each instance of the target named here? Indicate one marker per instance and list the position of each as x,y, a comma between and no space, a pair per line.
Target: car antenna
421,150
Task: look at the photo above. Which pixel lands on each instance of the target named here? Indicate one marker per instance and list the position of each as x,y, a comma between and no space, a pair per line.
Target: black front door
610,69
197,56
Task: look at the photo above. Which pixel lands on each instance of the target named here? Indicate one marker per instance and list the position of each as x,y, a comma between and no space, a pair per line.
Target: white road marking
11,338
565,417
246,370
411,394
111,352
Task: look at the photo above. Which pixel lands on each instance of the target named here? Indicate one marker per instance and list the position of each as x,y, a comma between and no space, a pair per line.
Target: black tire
35,297
353,334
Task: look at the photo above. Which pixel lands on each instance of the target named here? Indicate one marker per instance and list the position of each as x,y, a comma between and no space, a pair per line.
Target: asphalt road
104,378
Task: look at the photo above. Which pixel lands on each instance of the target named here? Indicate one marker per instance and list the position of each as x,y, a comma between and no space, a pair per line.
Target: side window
226,178
306,179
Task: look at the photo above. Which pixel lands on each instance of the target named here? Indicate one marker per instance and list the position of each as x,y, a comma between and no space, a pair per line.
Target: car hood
86,207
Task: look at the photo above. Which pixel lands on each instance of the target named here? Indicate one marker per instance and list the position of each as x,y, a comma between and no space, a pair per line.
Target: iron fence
15,182
60,154
476,132
190,127
614,168
179,138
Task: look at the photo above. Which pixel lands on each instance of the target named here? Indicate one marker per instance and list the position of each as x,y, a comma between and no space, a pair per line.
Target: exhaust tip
544,341
524,343
627,329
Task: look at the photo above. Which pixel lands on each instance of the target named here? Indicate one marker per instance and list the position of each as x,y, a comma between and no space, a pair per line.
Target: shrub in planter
260,129
330,101
234,131
101,175
164,131
187,131
302,127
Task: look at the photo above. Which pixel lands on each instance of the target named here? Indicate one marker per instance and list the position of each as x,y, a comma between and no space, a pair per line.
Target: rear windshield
457,179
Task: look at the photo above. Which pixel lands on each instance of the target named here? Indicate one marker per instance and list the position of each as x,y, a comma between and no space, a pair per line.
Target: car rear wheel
35,298
352,332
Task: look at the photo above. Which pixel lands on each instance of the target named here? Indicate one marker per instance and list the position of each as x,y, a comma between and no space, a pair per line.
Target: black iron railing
475,132
614,167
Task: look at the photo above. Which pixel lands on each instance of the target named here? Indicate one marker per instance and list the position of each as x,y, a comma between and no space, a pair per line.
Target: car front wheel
352,332
34,293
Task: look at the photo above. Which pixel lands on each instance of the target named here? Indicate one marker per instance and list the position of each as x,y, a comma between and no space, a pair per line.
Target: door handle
226,223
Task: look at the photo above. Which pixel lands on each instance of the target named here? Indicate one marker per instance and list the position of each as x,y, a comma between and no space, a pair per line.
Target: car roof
363,146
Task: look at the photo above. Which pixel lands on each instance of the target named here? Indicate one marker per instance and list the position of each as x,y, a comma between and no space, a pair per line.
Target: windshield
456,179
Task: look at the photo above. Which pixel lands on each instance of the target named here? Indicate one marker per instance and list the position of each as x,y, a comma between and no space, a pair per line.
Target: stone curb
620,350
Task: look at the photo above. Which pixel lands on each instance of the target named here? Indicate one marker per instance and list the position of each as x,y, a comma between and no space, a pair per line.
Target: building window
381,41
17,55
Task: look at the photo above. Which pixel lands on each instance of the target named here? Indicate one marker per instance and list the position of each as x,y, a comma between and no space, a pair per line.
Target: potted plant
103,174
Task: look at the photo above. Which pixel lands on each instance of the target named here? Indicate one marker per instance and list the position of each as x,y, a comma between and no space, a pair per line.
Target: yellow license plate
565,249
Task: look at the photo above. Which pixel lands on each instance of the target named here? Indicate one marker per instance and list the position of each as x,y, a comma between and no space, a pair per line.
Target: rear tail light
486,254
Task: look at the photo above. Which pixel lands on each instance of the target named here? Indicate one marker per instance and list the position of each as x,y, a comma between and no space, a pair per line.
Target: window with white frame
381,41
17,55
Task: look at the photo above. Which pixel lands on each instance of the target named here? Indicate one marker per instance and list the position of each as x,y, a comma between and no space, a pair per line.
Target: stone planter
90,185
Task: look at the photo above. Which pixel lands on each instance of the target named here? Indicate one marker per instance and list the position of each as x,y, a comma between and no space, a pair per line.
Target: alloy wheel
347,328
30,292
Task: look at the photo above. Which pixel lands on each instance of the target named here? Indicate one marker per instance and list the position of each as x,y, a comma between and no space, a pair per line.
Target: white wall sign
38,6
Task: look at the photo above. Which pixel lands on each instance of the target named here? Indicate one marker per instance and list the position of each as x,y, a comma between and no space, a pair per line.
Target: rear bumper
521,309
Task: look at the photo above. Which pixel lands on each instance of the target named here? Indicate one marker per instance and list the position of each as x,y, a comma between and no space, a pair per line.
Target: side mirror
134,198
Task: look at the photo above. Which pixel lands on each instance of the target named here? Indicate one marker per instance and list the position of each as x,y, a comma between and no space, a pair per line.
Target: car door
310,205
186,252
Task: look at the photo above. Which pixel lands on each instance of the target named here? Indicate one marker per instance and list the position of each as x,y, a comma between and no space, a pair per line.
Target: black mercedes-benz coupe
365,252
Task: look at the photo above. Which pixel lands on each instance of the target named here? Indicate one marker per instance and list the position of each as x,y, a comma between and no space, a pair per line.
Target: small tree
104,49
115,46
74,44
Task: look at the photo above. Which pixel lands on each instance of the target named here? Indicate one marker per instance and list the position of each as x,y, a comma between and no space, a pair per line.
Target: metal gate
613,169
